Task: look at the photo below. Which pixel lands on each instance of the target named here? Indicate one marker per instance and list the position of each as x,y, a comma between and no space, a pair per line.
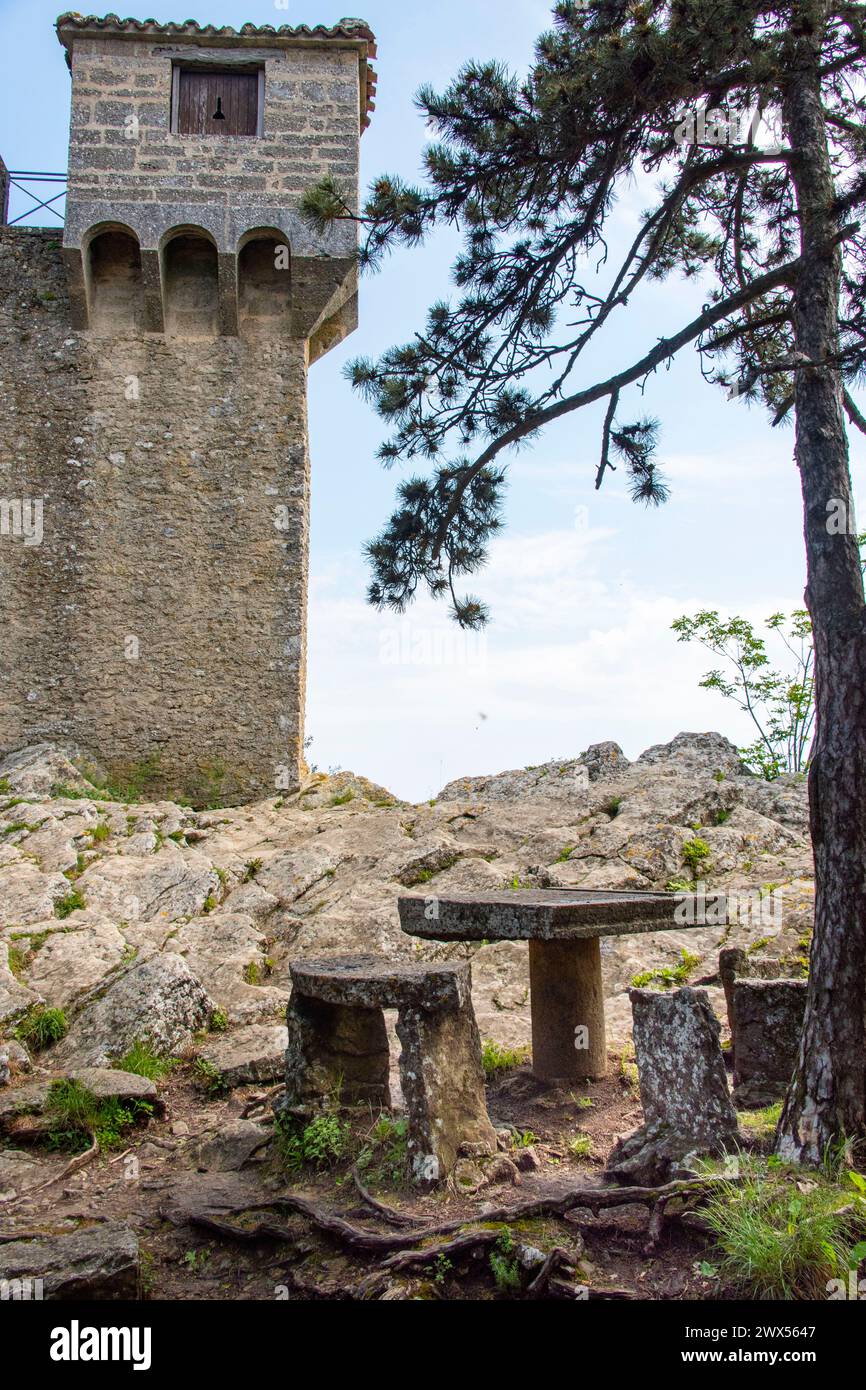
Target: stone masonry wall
159,626
311,125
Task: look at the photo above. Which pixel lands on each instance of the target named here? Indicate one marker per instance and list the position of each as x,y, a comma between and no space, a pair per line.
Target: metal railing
19,179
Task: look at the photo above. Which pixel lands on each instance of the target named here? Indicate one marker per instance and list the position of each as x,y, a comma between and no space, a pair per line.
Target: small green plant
15,826
209,1078
612,806
41,1027
722,814
218,1021
99,833
319,1144
343,798
695,854
440,1269
72,902
581,1146
503,1263
668,975
679,885
384,1152
523,1139
495,1058
251,868
209,904
18,958
585,1103
5,786
141,1060
252,973
564,854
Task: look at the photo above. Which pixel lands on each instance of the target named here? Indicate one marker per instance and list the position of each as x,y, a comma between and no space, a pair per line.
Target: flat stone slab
249,1055
102,1082
95,1262
541,914
371,982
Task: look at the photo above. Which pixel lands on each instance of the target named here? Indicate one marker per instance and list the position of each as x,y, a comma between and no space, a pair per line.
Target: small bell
219,114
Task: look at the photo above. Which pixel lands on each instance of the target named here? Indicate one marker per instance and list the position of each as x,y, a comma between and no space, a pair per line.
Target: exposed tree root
400,1251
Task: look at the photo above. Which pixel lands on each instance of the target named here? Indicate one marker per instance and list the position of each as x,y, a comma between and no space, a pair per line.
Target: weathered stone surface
70,964
768,1021
160,1003
680,1065
27,894
169,886
335,1051
37,769
232,1147
365,981
15,997
95,1262
683,1088
651,1156
538,915
736,963
708,753
14,1061
442,1080
251,1054
224,950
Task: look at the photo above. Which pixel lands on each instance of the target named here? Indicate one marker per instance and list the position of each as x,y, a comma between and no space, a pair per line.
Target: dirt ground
157,1186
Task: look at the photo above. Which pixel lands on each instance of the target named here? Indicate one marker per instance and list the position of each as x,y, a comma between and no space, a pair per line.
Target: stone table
564,928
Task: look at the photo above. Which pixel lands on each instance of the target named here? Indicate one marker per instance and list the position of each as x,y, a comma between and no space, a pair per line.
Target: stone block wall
158,626
153,373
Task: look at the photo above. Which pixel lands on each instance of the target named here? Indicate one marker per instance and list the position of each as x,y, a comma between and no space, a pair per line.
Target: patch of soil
155,1185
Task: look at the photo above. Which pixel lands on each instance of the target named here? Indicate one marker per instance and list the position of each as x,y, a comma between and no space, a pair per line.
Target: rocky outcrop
95,1262
145,917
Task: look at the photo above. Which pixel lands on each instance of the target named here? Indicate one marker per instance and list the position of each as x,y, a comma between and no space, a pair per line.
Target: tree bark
826,1101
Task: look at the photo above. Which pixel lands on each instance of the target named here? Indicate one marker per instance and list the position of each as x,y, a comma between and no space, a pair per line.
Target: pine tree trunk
827,1097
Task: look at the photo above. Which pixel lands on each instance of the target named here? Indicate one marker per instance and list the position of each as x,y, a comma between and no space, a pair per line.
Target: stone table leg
567,1003
443,1086
334,1050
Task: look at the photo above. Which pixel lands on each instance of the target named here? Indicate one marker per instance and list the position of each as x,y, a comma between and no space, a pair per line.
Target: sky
582,585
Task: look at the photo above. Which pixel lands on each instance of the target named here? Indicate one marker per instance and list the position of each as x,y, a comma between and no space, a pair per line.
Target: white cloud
573,656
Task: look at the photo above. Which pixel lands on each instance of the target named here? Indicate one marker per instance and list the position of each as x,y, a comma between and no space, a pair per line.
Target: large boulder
160,1003
95,1262
703,753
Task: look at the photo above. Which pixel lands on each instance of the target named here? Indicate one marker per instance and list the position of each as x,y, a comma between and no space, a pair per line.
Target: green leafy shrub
76,1115
695,853
503,1263
319,1144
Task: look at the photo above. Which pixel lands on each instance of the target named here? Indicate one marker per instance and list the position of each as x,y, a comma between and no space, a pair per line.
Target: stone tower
153,434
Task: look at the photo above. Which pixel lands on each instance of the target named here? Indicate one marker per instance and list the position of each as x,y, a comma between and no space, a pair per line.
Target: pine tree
748,116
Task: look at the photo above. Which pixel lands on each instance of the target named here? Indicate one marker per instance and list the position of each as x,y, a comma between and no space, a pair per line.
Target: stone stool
338,1046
